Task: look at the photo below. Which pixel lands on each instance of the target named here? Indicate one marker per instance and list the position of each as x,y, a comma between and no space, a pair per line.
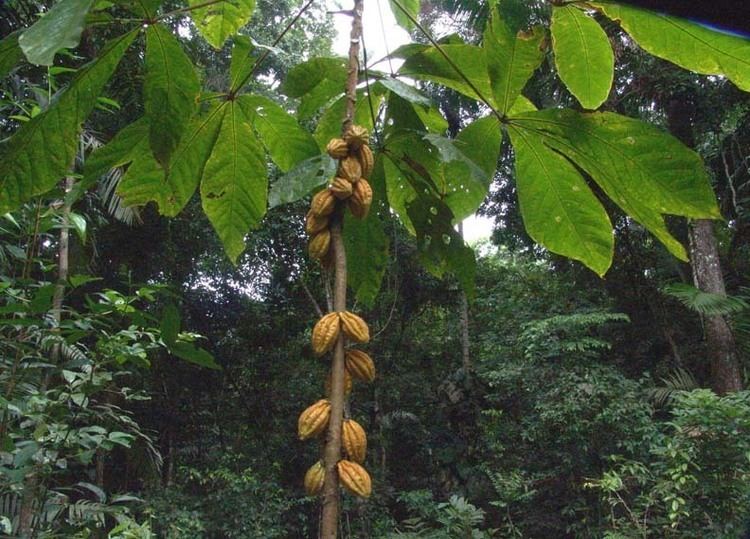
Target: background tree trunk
463,321
707,274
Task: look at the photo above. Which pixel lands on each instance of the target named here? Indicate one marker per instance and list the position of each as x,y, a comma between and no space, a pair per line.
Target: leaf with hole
234,184
559,209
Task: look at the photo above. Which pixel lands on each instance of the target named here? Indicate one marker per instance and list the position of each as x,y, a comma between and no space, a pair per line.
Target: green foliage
705,303
694,483
687,44
42,150
549,185
512,57
583,55
217,21
235,182
625,157
170,91
60,28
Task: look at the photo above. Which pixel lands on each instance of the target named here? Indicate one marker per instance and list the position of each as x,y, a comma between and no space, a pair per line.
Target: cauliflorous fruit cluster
351,188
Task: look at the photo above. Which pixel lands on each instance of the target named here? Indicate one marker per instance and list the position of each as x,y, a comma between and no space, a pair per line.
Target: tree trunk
332,450
463,320
707,276
33,481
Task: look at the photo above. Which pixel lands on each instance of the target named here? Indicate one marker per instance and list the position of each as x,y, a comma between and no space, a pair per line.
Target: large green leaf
218,21
286,142
170,91
42,151
431,65
317,82
367,244
118,152
583,55
59,28
480,142
189,160
405,91
235,181
10,53
143,179
646,171
401,114
684,43
512,58
302,179
440,247
411,7
242,63
558,208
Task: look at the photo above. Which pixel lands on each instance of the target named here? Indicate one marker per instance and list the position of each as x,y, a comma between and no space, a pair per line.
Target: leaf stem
187,9
448,59
276,41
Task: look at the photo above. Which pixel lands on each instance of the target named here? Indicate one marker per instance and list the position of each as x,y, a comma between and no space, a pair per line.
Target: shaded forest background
580,408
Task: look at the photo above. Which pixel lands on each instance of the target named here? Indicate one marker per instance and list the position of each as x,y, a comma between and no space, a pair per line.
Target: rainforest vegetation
579,373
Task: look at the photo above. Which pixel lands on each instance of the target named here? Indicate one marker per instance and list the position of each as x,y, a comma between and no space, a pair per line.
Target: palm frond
678,380
705,303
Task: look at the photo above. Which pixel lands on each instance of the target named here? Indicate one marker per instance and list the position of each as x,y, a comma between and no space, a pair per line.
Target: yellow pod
354,478
314,419
354,440
354,327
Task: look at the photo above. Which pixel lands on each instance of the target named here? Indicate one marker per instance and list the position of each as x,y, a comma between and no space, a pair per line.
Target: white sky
377,29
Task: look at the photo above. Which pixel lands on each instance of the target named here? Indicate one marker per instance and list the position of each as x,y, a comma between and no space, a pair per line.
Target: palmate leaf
286,142
170,91
235,181
189,160
583,55
216,22
512,57
316,82
42,150
59,28
430,64
559,210
684,43
644,170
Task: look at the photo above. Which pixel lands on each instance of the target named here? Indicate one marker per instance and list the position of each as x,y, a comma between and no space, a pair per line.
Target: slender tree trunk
707,274
464,325
33,481
332,450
